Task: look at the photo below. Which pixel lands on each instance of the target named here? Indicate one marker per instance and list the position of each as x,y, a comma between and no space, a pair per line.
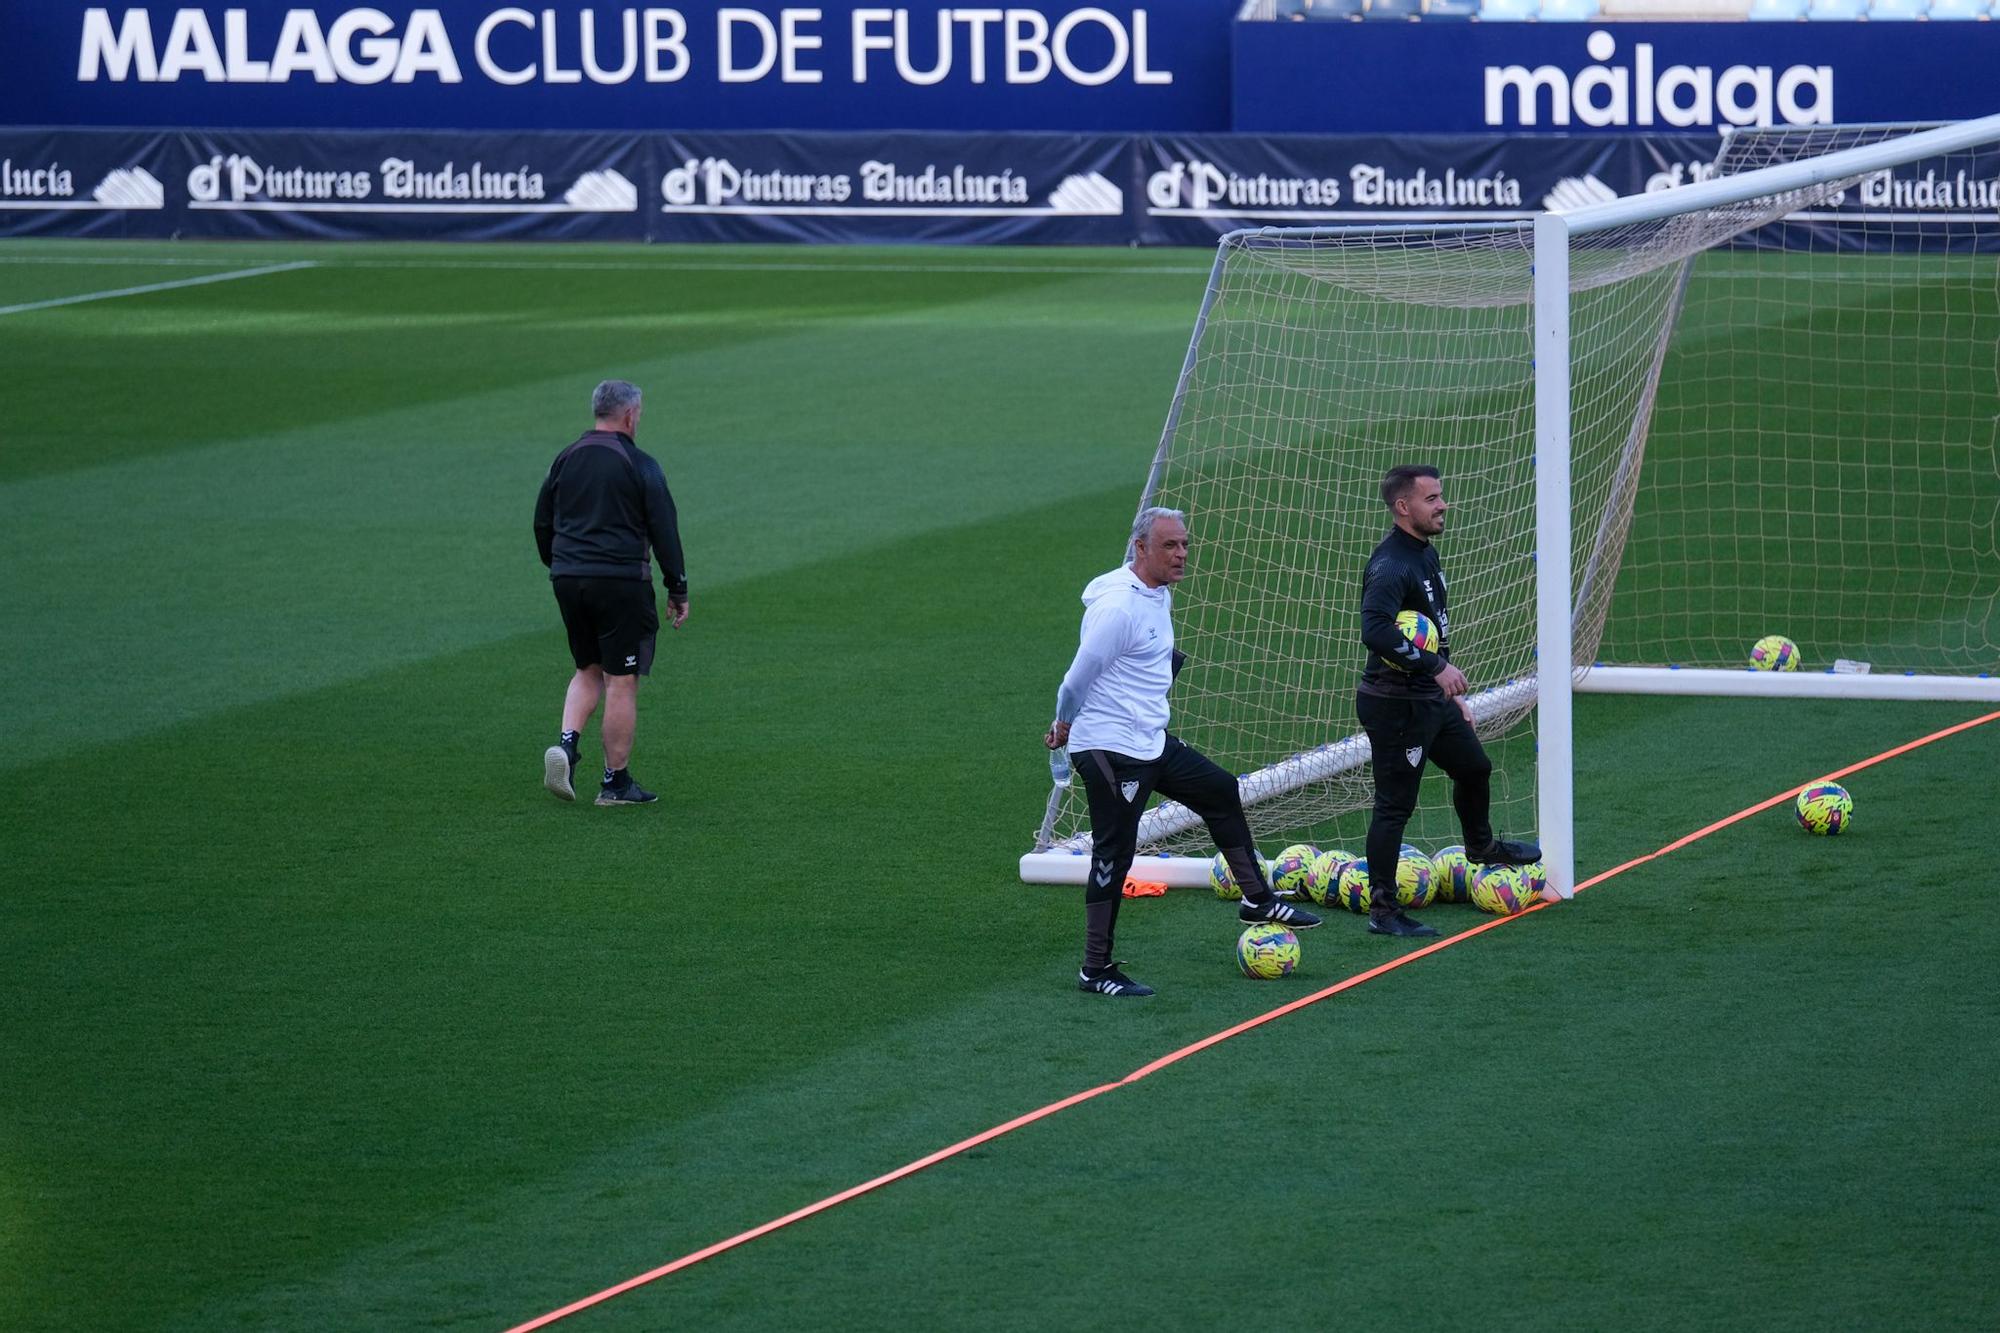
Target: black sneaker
629,794
1278,912
559,772
1397,922
1109,981
1500,852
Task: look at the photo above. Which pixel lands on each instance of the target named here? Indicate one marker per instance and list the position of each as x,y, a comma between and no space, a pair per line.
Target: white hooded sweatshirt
1115,693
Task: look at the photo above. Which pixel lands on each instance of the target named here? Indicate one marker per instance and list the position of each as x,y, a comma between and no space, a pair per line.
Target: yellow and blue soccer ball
1224,883
1292,868
1416,879
1454,875
1774,652
1419,629
1267,951
1324,875
1825,808
1352,891
1501,890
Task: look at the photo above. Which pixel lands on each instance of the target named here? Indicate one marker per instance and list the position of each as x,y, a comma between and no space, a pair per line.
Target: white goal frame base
1750,683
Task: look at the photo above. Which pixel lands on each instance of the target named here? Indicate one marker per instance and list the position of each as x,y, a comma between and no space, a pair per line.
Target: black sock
570,740
616,777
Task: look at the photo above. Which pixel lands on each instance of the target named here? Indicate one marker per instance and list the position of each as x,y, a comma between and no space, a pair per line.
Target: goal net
1776,411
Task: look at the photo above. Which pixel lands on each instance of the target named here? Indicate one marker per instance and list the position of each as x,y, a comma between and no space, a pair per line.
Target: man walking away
604,502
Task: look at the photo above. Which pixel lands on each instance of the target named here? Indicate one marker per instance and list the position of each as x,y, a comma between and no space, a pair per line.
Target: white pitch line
197,281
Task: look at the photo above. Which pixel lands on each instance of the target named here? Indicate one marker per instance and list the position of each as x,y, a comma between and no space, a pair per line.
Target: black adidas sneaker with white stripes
1278,912
1109,981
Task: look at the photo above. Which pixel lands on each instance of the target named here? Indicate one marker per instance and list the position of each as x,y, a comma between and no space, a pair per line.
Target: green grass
318,1013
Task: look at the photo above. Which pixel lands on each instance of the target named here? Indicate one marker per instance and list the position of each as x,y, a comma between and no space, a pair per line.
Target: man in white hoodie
1111,716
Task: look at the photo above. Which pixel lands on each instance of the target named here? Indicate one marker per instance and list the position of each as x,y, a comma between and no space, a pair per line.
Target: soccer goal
1668,426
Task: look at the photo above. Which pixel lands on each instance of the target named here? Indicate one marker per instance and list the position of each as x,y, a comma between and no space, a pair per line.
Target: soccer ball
1774,652
1454,875
1825,807
1224,883
1292,868
1501,890
1419,629
1267,951
1324,875
1352,891
1416,879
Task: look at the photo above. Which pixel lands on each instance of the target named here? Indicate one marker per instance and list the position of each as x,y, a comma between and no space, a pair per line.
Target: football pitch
316,1012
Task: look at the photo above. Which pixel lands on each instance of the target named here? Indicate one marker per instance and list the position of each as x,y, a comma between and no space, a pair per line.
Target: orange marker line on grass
1042,1113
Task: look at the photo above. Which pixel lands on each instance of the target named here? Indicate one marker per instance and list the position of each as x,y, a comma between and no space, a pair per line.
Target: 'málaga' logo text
1604,94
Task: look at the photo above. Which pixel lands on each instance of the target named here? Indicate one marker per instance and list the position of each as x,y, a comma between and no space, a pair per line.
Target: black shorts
611,622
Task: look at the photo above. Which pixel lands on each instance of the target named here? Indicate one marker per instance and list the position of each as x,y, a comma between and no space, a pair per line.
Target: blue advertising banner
1197,187
1058,188
903,187
1493,78
112,183
483,64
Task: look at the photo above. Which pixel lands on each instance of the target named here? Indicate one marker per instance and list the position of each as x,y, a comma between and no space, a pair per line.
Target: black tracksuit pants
1118,787
1407,733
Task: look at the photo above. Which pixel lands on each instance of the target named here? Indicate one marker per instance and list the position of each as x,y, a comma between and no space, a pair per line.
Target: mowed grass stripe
189,369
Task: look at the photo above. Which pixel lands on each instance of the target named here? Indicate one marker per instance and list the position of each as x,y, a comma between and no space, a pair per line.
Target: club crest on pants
1130,789
1415,754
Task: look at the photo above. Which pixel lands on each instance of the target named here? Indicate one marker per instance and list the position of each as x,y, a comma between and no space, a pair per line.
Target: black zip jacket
1403,575
604,500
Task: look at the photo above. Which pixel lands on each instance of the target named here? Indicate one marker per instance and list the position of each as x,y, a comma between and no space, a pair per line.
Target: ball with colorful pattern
1500,890
1224,882
1774,652
1419,629
1292,868
1454,874
1352,891
1324,875
1416,879
1825,808
1267,951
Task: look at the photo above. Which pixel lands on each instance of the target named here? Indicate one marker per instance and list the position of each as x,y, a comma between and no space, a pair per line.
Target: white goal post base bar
1746,683
1176,872
1070,863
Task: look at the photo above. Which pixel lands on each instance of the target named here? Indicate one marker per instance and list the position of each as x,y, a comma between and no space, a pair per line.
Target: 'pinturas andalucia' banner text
479,64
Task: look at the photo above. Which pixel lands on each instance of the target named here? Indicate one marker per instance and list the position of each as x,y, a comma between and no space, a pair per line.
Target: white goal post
1531,361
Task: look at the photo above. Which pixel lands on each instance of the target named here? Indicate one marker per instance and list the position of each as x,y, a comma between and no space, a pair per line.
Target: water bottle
1059,766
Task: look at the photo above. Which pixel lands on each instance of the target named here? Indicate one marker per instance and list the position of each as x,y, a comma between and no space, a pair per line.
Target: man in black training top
603,502
1412,701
